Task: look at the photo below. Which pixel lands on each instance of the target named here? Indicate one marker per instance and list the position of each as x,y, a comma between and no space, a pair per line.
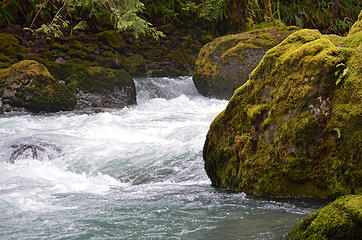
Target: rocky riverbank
96,68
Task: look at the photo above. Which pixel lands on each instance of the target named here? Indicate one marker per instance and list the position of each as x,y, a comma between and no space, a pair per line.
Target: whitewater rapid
131,173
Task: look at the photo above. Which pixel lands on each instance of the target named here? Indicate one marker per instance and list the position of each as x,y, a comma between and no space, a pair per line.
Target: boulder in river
224,64
341,219
28,84
294,128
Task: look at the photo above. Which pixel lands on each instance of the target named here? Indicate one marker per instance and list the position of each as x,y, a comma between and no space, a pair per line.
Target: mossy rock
224,64
112,38
98,86
76,53
10,49
339,220
294,128
28,84
134,64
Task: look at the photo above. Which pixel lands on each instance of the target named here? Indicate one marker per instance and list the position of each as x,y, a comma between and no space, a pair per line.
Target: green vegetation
59,17
341,219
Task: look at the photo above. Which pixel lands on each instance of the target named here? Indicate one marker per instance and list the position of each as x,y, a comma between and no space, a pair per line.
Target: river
131,173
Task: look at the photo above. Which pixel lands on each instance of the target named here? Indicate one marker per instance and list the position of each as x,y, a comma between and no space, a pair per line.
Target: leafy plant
338,131
341,72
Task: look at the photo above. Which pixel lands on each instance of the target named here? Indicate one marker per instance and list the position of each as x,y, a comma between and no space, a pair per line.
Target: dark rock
33,148
225,64
1,106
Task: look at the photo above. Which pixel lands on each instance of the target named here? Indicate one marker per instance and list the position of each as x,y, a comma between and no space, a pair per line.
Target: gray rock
33,148
118,98
61,61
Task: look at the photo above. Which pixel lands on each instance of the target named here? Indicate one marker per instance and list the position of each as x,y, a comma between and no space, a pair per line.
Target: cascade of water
132,173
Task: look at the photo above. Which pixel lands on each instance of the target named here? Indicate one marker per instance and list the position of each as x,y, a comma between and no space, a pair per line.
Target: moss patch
10,48
225,64
341,219
112,39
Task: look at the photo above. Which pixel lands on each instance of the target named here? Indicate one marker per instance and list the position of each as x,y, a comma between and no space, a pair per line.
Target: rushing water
134,173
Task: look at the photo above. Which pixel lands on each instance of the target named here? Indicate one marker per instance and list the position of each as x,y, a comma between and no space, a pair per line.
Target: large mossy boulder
340,220
225,64
28,84
294,128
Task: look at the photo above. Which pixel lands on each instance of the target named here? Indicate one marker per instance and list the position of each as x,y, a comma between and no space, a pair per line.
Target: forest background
58,18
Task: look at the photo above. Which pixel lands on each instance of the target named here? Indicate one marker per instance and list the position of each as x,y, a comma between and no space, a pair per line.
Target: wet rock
1,106
225,64
61,61
33,148
294,128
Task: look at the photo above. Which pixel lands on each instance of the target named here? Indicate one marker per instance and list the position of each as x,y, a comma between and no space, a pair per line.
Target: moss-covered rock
294,128
112,38
340,220
225,64
28,84
10,49
96,86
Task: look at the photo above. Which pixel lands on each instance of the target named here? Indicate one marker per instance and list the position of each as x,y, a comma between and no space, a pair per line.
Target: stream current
131,173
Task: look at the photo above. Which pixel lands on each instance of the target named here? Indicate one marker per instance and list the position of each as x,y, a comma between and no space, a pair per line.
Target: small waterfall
168,88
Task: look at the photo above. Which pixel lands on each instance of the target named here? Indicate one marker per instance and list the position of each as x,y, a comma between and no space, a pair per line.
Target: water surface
132,173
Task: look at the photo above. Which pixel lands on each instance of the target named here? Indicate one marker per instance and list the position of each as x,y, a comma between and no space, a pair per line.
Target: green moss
112,39
38,90
92,78
78,45
225,64
10,48
59,46
77,53
341,219
134,64
276,137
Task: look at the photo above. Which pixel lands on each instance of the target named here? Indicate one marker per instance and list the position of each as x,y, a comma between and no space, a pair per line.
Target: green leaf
339,80
338,131
345,71
341,65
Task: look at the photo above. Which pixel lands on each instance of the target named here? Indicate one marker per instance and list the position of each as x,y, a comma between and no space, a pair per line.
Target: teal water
133,173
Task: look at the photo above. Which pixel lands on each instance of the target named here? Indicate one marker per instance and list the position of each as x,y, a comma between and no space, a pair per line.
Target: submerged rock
28,84
225,64
33,148
294,129
341,219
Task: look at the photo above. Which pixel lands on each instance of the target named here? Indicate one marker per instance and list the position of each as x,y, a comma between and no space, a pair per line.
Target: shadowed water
133,173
